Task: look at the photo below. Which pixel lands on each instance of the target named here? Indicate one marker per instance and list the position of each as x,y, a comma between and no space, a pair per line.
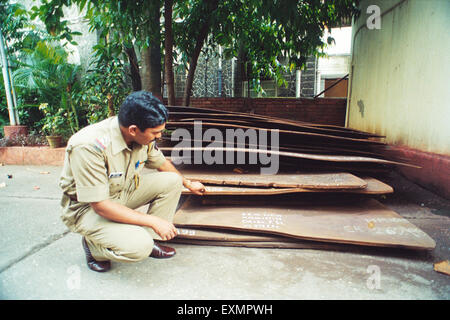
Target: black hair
142,109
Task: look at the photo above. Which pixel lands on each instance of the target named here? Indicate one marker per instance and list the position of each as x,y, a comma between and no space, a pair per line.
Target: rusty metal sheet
179,111
374,186
187,124
267,123
331,180
324,166
305,165
227,235
166,141
299,244
366,222
319,157
217,237
232,238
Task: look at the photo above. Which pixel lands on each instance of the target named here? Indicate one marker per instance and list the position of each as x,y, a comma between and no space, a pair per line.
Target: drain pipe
219,72
233,66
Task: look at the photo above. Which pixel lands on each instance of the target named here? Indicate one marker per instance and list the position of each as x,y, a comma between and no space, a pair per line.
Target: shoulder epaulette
100,143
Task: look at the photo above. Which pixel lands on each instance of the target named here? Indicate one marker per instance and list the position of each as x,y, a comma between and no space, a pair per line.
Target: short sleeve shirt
98,164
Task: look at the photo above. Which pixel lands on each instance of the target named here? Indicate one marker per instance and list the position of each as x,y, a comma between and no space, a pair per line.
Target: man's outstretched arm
195,186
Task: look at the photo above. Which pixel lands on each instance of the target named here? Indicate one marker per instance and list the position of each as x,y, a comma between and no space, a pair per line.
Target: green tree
264,32
197,20
100,95
118,35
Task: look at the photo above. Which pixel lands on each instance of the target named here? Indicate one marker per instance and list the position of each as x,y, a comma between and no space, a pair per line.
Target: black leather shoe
99,266
160,252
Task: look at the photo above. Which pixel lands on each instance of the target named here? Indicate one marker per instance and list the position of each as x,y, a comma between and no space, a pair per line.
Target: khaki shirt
99,165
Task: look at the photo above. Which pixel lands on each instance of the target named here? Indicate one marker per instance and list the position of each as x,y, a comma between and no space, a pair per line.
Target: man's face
147,136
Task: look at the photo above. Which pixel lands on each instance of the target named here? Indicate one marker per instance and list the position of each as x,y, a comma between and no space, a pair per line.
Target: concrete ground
40,259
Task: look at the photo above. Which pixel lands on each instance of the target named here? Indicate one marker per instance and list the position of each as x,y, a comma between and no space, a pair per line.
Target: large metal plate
374,186
332,180
230,238
366,222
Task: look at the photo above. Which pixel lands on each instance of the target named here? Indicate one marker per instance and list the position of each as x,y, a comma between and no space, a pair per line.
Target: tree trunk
151,58
168,57
111,112
196,53
134,67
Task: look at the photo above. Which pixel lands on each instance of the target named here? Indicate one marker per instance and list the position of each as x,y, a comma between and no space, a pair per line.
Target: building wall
206,81
329,111
336,64
308,78
399,85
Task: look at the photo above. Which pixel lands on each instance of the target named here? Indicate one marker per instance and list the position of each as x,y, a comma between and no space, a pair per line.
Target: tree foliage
19,34
45,69
277,36
264,33
272,36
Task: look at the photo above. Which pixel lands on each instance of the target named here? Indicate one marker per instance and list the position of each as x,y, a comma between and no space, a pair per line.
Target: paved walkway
40,259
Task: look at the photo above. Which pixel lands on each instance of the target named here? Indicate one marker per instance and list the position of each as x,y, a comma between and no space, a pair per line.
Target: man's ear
132,130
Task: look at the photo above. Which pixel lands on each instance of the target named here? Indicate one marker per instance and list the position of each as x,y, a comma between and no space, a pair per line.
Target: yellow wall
400,74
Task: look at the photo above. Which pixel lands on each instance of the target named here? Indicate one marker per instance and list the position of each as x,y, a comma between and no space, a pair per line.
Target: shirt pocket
116,185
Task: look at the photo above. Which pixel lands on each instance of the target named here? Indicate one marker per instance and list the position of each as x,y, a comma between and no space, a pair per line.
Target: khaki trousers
109,240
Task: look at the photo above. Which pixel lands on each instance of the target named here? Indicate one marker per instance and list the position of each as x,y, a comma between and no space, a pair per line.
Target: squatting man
102,185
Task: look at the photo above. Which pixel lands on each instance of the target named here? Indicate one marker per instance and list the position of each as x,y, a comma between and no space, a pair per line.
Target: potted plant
53,125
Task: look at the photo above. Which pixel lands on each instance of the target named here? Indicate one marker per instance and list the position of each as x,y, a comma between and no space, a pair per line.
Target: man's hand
119,213
163,228
196,187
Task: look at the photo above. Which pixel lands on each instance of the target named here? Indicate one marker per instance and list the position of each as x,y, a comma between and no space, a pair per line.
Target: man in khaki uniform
102,185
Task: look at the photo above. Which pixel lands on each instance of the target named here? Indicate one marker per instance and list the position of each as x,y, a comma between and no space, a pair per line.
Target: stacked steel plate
320,190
